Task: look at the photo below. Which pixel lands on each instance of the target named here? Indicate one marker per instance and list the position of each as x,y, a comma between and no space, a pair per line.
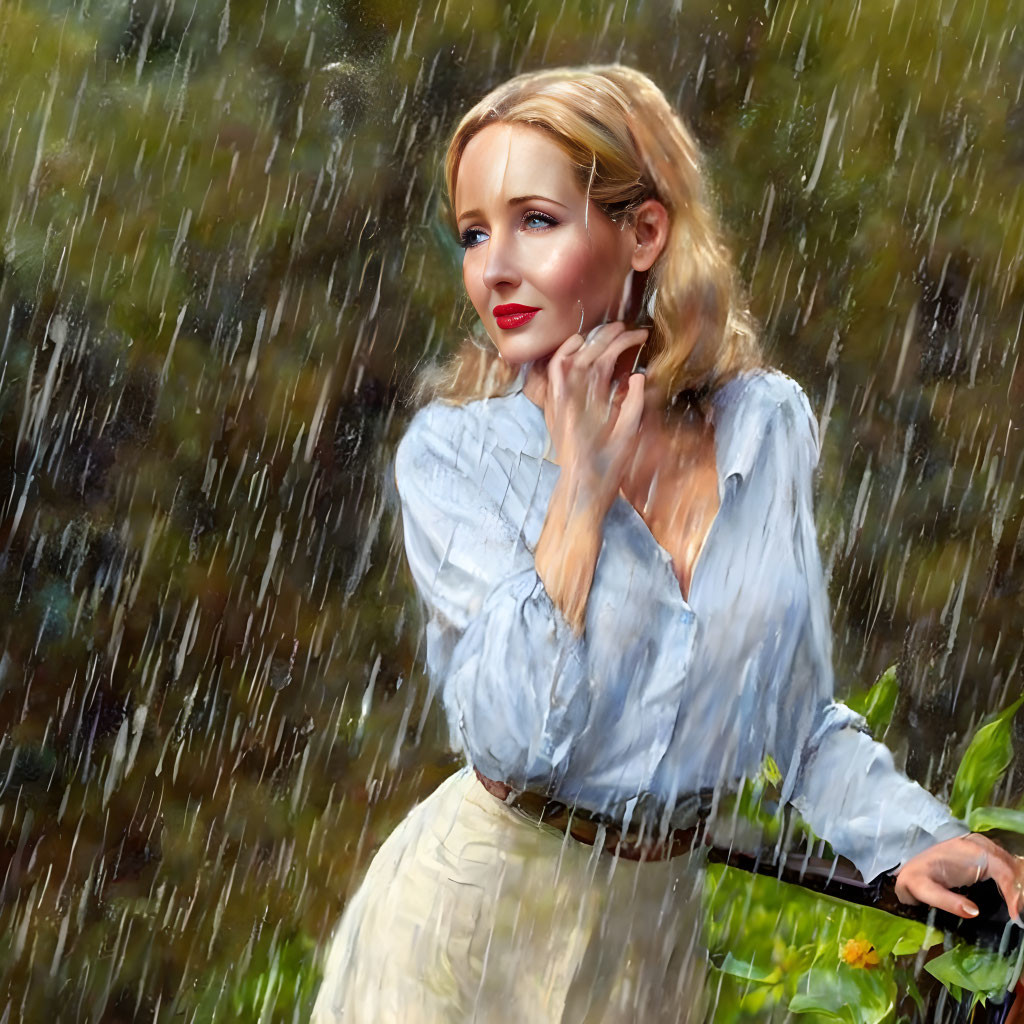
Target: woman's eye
535,219
471,237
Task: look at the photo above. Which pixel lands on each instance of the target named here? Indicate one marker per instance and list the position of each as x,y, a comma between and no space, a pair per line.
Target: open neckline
695,573
686,598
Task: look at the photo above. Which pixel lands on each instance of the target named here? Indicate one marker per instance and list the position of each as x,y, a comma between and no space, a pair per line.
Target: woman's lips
511,314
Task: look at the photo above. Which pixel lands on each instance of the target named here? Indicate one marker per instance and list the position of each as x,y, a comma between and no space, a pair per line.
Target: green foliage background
221,258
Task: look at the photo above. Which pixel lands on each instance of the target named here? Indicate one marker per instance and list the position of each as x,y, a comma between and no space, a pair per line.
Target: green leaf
878,704
916,938
758,1000
987,756
984,819
907,982
771,771
848,995
756,802
748,971
891,934
974,970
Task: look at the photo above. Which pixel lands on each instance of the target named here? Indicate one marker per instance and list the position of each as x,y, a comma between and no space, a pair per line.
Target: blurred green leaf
878,704
757,801
906,981
984,819
964,967
916,938
987,756
847,994
748,971
771,771
896,935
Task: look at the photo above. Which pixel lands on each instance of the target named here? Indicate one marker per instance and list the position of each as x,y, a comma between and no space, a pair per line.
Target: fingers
927,890
562,354
572,354
603,340
579,352
963,861
632,409
977,839
571,344
1005,870
903,894
604,364
603,344
600,336
1012,894
594,364
587,366
591,421
1017,910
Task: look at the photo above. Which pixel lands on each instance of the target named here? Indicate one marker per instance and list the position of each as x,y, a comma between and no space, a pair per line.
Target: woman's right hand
593,421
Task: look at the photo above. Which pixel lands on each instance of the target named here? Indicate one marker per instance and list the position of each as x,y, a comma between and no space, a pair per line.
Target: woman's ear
650,224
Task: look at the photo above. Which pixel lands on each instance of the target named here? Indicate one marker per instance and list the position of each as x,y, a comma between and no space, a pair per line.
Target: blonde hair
626,145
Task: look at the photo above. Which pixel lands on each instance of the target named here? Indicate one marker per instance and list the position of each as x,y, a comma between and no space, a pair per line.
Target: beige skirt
471,911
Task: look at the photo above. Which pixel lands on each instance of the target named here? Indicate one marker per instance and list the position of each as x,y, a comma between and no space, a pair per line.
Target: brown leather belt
595,830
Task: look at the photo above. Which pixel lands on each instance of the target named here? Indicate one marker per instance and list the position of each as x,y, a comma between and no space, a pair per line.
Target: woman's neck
668,438
535,387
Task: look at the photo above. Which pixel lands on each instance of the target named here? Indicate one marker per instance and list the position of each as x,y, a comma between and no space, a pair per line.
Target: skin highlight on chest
674,488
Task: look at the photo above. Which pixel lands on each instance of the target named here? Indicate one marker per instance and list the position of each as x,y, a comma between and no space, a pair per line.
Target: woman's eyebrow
514,201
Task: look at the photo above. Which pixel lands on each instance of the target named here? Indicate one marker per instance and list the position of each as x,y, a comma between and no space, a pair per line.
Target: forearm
569,544
852,795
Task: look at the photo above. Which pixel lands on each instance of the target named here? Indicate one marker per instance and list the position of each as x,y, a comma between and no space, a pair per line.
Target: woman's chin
519,351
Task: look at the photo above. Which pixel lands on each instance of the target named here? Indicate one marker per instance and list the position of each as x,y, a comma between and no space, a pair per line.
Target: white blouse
661,696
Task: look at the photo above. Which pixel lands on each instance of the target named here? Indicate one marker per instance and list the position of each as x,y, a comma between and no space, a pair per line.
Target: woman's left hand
929,877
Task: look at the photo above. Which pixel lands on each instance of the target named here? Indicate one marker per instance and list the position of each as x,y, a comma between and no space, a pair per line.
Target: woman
626,611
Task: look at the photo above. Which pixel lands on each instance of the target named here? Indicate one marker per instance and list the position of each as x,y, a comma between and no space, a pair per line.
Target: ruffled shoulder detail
748,407
442,443
465,435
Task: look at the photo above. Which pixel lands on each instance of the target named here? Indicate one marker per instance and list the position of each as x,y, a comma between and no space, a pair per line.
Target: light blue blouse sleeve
841,781
524,694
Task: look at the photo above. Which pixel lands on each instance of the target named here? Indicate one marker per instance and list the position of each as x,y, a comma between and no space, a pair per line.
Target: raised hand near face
593,419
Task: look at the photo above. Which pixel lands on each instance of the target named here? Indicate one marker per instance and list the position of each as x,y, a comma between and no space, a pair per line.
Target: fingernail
970,911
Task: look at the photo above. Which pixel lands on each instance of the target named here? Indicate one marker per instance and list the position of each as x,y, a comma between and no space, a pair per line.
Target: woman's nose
500,263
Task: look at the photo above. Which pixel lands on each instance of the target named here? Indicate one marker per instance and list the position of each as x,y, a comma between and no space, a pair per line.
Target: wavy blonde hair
626,145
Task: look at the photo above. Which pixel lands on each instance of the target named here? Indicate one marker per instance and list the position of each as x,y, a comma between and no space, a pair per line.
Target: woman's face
541,262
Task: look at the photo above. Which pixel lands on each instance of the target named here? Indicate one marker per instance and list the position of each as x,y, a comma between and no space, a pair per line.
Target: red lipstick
512,314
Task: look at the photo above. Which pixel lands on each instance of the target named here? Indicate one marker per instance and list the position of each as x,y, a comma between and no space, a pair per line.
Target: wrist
585,495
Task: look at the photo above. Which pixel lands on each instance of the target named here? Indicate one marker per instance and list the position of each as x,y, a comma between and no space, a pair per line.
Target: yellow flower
859,953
